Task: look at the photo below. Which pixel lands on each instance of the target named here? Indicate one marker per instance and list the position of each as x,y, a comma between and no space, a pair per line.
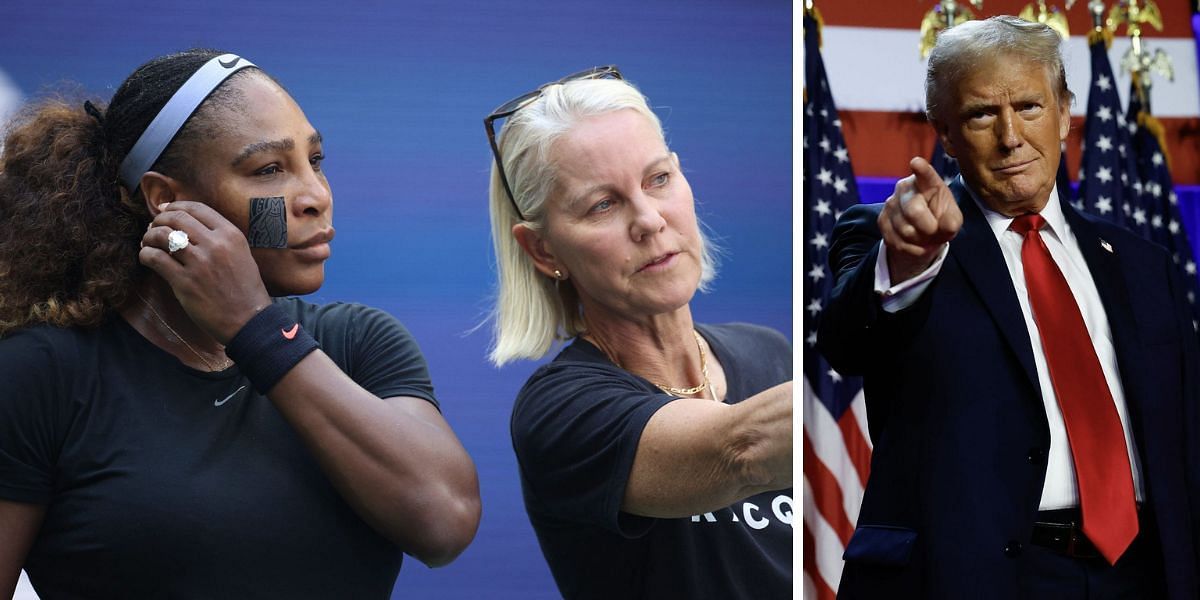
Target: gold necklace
688,391
211,367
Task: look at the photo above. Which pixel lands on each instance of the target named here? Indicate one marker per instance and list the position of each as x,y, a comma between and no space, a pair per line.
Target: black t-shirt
576,426
161,481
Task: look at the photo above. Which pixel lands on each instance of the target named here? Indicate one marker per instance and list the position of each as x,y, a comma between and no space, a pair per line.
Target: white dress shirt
1060,489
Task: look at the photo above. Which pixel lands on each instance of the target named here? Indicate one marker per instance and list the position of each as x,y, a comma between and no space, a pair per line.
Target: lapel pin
1106,246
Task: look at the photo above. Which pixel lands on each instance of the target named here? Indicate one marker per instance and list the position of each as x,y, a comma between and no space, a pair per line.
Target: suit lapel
978,254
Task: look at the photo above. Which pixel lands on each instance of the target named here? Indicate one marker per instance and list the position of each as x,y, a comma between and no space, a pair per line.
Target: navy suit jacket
956,415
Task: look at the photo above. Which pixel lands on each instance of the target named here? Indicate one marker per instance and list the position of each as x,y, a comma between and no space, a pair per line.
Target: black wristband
268,346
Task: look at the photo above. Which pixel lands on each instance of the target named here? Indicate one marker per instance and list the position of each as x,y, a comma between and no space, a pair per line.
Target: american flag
1159,204
1108,180
837,451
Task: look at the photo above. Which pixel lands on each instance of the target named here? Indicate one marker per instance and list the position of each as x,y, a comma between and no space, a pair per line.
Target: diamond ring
177,240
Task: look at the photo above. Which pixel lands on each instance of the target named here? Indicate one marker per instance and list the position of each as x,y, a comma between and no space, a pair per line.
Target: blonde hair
533,311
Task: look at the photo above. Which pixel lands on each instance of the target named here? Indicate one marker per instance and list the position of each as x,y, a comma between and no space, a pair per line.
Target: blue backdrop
399,91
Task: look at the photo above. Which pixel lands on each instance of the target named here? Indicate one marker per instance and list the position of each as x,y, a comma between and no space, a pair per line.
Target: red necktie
1106,495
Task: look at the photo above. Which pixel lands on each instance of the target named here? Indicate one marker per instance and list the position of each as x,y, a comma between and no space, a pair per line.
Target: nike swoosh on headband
174,114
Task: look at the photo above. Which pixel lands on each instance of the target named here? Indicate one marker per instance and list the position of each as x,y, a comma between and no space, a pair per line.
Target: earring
559,275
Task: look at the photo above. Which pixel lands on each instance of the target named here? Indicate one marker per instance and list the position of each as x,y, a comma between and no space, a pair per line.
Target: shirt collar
1056,222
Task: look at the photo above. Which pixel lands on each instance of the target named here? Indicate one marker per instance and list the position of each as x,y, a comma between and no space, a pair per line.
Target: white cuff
896,298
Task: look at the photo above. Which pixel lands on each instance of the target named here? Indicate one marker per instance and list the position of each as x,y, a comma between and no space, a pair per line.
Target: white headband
171,118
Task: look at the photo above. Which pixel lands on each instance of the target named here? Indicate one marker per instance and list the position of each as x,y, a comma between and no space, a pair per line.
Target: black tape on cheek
268,223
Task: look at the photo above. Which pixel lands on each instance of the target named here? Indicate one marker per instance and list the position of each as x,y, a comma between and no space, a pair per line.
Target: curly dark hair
69,231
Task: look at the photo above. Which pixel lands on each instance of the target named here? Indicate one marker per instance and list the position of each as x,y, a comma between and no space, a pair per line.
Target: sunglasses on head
512,106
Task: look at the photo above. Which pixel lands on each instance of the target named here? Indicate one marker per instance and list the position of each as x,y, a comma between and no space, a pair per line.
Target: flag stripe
817,588
827,495
830,447
809,589
856,445
828,558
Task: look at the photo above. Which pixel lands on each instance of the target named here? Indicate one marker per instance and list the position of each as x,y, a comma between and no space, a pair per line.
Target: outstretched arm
914,225
696,455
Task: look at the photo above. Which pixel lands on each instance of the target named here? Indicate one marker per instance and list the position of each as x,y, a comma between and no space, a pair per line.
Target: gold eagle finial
944,15
1048,16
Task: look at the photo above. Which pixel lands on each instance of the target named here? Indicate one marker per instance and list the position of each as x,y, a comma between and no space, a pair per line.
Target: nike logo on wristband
290,333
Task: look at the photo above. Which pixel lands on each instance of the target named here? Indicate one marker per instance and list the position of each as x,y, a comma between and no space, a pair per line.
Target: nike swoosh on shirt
226,399
290,333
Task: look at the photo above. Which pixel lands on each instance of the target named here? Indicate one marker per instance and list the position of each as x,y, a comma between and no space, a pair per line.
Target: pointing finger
932,186
927,178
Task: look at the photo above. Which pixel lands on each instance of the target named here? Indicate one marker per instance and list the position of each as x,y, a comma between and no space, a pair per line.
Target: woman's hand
215,277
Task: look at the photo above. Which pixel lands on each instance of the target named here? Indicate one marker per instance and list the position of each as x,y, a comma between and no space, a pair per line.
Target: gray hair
533,311
961,48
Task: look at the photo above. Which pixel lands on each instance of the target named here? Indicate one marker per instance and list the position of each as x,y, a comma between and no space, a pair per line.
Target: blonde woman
655,452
